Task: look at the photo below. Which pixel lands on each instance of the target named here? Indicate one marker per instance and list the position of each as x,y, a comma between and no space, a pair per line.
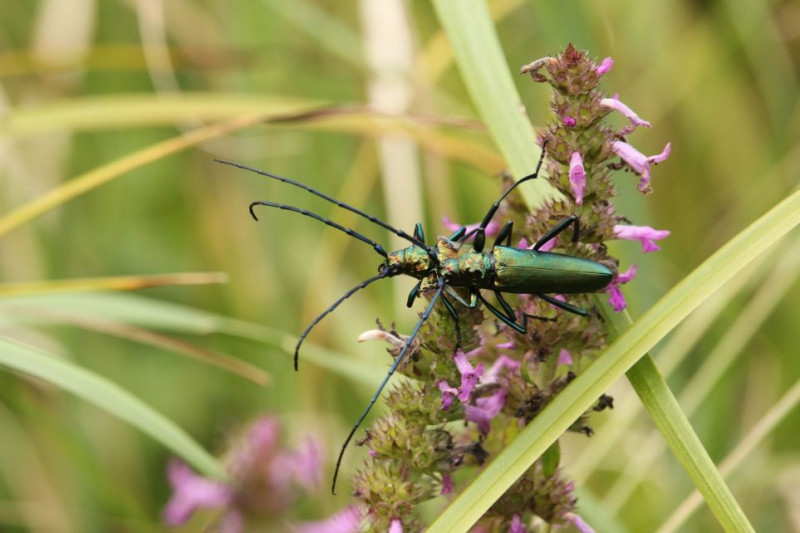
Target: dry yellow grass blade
101,175
115,283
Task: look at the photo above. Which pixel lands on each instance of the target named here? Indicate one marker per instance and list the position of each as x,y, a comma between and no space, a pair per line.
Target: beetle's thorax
412,261
468,269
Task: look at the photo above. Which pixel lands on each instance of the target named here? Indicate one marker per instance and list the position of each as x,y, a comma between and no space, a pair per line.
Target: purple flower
448,394
492,229
615,105
638,162
447,484
261,473
396,526
516,525
469,375
303,466
485,409
348,520
645,234
579,524
502,362
564,357
616,299
192,492
510,345
604,66
577,177
569,121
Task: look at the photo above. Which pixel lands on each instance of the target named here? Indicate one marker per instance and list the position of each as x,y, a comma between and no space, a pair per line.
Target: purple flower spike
485,409
615,105
645,234
348,520
579,524
469,375
516,525
192,492
604,66
564,357
447,484
396,526
492,229
577,177
448,394
640,163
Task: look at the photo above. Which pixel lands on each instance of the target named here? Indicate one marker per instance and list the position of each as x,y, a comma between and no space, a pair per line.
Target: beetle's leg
480,234
563,305
329,310
509,320
458,235
418,233
510,312
413,294
471,304
558,229
505,234
440,288
452,311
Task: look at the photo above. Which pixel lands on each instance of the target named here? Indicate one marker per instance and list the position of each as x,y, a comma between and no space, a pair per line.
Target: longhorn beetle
501,269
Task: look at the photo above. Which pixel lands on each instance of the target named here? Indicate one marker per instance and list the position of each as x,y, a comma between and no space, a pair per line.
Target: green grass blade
108,396
469,28
155,314
620,356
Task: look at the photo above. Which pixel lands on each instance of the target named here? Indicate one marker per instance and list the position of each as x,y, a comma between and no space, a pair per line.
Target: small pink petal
616,299
396,526
577,177
627,276
492,229
485,409
448,394
469,375
579,524
569,122
501,363
638,162
604,66
645,234
510,345
192,492
348,520
516,525
447,484
615,105
564,357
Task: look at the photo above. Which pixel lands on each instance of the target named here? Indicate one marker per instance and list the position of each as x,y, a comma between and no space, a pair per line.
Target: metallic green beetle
444,266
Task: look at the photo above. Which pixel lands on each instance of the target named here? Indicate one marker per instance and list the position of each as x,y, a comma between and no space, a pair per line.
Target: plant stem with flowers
464,405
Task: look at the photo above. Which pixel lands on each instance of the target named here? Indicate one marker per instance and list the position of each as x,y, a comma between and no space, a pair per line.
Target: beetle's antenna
385,274
378,248
480,232
440,287
400,233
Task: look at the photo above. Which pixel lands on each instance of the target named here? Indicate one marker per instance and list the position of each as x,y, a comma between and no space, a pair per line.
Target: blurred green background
85,83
